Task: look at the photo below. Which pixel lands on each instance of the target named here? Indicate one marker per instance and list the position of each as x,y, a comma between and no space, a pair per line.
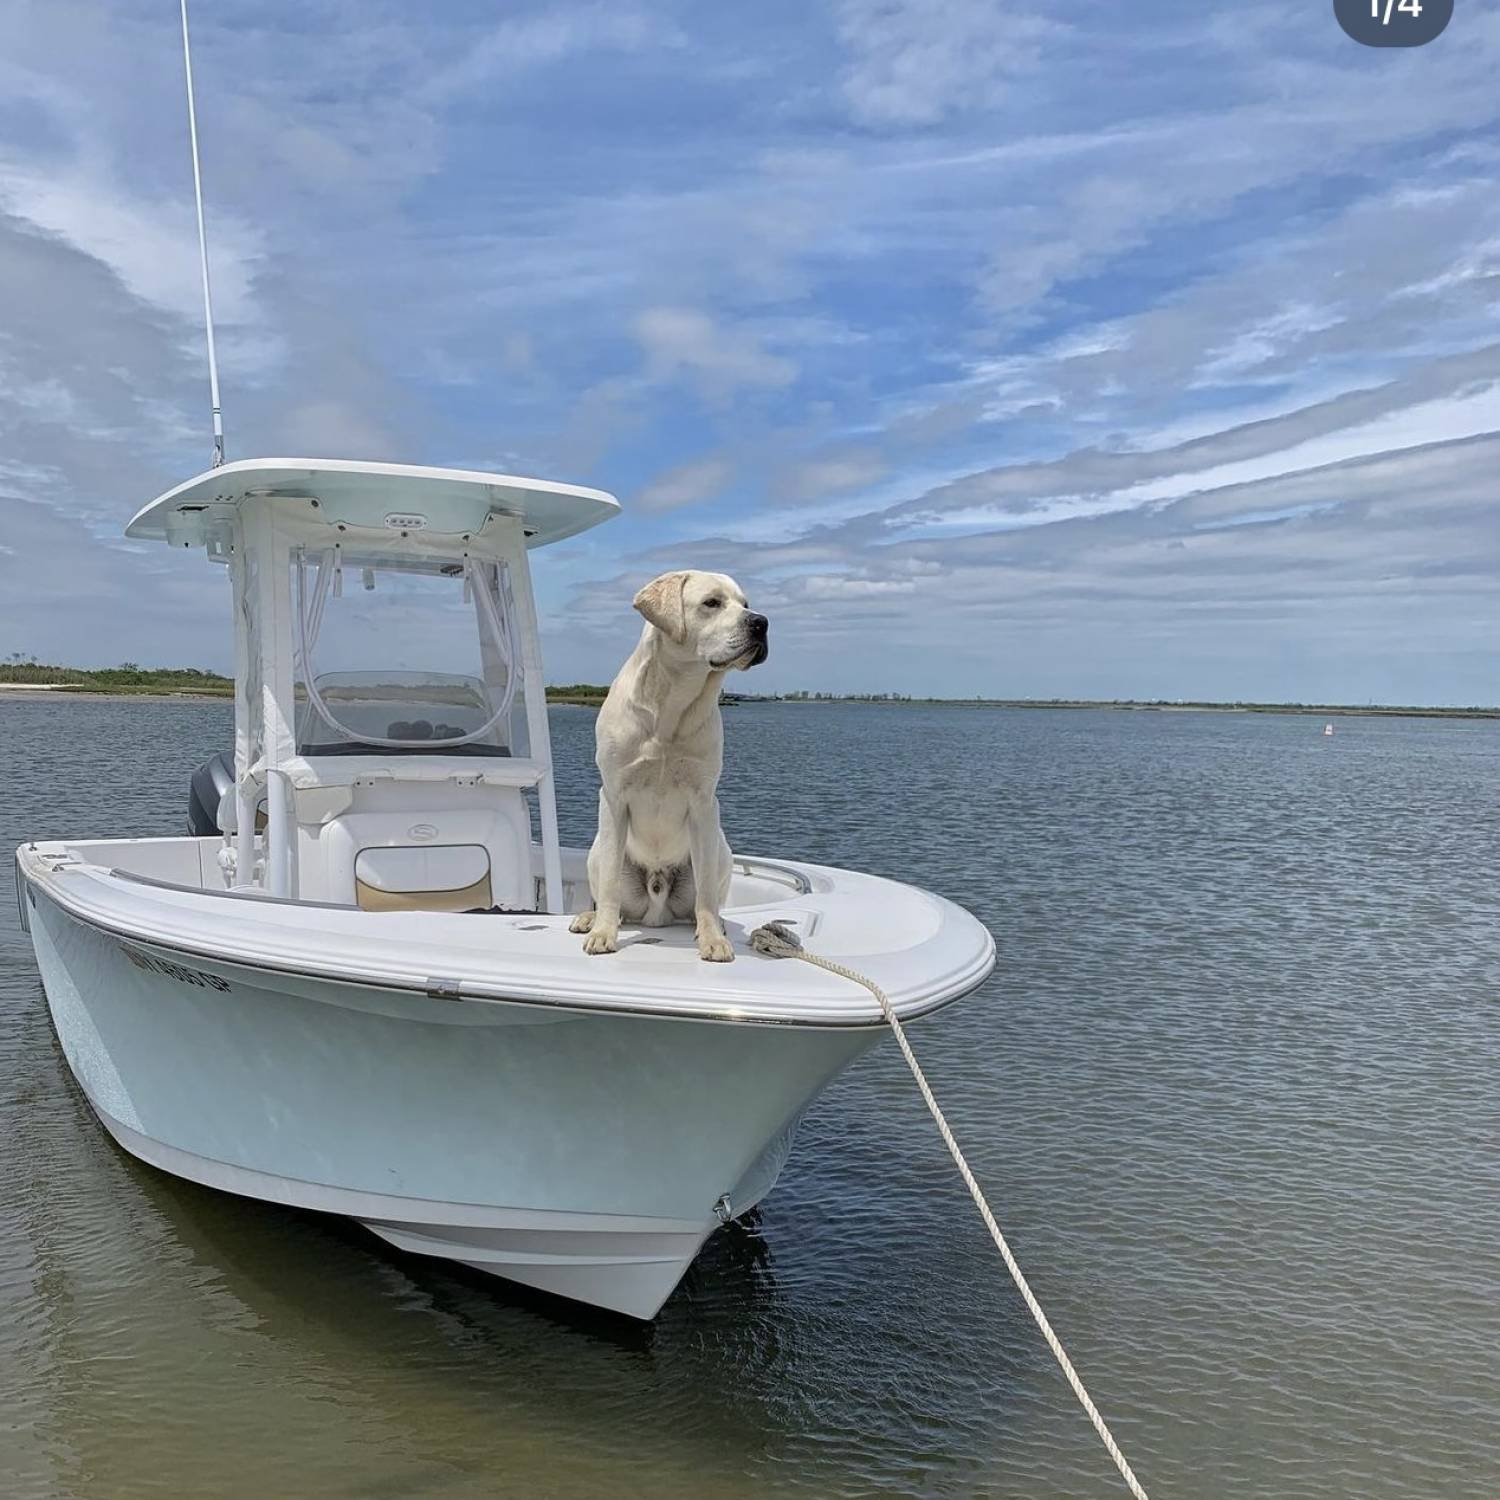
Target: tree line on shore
131,677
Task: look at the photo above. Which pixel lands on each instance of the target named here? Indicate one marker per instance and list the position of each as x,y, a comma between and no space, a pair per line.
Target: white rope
779,941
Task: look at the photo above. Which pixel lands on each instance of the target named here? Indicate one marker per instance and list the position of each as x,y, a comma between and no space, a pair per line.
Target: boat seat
449,851
450,877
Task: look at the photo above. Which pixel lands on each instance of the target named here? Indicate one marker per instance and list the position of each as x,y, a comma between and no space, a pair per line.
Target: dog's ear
662,603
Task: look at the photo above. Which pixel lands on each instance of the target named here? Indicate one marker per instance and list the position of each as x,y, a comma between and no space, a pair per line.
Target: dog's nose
757,626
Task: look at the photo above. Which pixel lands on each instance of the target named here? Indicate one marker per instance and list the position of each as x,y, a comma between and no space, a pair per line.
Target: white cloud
1277,99
833,586
1452,418
687,484
151,246
1274,335
813,479
915,61
684,341
1444,402
549,36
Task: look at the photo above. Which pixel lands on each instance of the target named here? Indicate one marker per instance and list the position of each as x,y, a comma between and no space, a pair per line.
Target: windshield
402,657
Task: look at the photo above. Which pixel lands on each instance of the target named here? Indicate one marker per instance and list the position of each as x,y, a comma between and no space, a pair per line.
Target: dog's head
707,614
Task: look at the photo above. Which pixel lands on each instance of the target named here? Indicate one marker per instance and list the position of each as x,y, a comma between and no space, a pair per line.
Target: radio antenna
208,301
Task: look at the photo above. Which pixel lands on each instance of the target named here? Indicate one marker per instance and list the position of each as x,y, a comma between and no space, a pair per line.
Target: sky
1058,350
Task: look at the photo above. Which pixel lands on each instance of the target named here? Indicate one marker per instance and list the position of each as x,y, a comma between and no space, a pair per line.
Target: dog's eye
712,603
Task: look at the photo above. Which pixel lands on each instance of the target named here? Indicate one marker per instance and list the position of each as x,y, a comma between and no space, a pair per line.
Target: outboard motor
210,781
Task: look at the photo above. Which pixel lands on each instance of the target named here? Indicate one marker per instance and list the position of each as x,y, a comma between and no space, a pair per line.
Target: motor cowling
210,782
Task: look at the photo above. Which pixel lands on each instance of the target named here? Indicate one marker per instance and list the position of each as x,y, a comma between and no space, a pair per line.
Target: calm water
1232,1091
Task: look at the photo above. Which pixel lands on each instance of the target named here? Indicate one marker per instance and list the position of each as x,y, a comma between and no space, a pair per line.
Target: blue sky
1075,349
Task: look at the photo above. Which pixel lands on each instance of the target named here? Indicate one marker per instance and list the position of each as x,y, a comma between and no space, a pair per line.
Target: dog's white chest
667,766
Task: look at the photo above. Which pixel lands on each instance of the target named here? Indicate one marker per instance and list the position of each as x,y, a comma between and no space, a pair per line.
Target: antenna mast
208,301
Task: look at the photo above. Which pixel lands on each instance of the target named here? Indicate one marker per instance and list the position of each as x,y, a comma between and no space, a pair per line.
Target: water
1232,1091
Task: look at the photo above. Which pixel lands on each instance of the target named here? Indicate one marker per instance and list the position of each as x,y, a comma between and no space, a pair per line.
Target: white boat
353,988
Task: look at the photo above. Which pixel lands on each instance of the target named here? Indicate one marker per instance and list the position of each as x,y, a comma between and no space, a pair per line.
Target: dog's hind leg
682,900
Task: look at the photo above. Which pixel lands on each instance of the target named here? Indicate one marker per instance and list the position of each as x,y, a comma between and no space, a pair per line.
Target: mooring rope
779,941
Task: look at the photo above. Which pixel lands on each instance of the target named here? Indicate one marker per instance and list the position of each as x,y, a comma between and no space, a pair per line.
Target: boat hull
585,1153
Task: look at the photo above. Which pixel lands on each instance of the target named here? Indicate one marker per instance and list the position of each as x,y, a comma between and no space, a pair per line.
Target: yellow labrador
660,855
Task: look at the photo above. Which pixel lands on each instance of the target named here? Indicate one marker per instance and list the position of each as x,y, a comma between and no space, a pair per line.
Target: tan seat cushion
448,877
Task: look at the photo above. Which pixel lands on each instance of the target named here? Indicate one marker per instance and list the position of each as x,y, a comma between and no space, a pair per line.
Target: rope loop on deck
778,940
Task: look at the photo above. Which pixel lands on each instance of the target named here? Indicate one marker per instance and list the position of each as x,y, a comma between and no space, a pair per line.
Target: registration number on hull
165,966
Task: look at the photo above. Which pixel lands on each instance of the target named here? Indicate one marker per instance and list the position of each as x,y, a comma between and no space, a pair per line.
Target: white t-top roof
381,495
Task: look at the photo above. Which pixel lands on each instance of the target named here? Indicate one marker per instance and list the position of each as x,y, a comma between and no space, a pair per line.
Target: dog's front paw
582,922
715,949
601,940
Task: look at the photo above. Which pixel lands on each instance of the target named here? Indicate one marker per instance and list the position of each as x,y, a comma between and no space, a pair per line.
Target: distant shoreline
1306,710
59,692
573,698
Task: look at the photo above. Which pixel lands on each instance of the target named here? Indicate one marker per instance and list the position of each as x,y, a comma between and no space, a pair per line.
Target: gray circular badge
1393,23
